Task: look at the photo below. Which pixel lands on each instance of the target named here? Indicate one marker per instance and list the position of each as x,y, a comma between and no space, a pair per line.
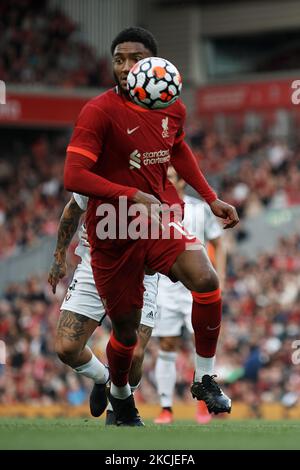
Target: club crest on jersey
165,127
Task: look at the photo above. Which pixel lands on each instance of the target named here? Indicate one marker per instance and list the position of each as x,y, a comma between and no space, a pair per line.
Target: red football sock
206,321
119,361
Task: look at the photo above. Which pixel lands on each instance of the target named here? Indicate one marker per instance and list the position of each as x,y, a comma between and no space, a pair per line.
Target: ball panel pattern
154,83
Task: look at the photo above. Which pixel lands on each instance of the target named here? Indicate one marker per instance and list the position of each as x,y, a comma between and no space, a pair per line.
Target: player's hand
225,211
152,205
57,272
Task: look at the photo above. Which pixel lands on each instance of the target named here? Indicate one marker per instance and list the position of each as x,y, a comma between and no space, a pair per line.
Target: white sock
120,392
165,375
94,369
132,388
203,366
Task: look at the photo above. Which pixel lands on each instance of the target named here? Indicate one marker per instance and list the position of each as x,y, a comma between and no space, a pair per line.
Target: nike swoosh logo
130,131
215,328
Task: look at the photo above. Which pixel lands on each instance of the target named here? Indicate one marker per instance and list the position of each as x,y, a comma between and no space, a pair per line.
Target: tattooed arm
67,227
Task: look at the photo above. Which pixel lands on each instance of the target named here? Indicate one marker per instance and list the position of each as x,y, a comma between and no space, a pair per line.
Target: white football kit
174,301
82,296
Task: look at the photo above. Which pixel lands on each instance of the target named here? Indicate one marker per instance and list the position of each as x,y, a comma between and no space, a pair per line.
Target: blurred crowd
31,191
40,45
261,322
261,327
255,170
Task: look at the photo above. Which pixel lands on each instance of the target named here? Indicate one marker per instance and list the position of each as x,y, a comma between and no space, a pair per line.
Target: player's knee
127,337
67,352
130,339
207,281
125,328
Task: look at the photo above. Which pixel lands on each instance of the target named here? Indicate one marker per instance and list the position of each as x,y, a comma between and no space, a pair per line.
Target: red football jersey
130,145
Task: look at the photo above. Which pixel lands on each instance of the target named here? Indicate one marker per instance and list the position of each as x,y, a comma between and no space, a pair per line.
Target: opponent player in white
82,311
174,304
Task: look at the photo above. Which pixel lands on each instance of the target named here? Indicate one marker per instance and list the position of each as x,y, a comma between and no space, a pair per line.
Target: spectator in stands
40,45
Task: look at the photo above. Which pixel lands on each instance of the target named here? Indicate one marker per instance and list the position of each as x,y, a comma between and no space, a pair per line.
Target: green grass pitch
40,433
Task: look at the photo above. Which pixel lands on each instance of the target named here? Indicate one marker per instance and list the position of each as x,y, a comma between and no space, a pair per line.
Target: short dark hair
136,34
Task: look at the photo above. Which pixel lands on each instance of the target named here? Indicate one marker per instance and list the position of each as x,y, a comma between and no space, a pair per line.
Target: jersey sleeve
81,200
212,229
89,131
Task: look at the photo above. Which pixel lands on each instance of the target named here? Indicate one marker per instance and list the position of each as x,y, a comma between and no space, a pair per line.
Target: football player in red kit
111,132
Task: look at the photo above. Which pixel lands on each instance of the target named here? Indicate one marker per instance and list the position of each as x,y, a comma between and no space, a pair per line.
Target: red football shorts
118,267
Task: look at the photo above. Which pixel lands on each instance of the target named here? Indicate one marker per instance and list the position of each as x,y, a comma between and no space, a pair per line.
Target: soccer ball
154,83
